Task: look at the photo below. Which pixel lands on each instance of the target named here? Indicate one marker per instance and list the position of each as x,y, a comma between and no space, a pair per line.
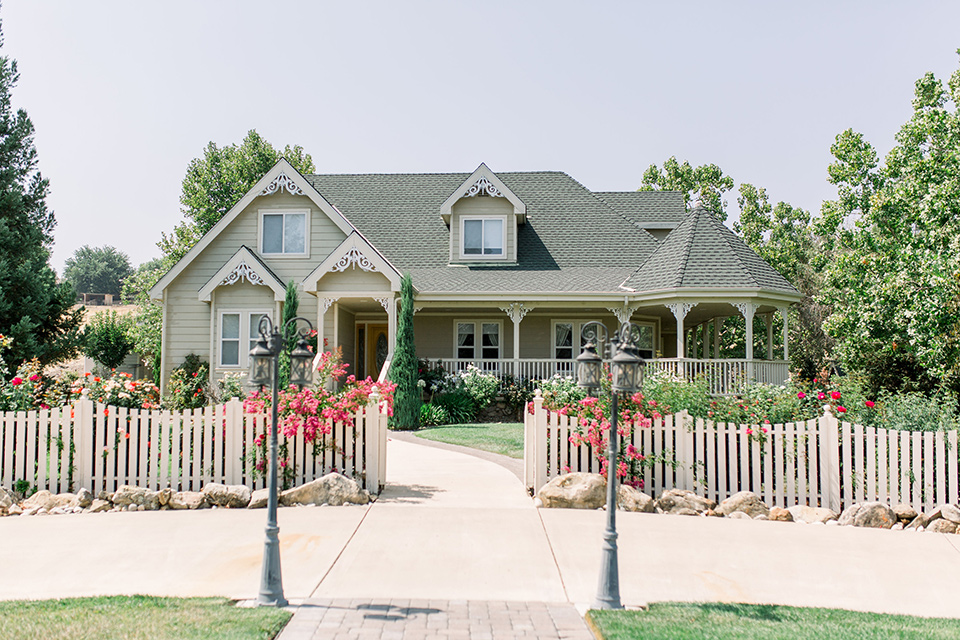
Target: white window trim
306,232
577,328
481,257
478,338
245,316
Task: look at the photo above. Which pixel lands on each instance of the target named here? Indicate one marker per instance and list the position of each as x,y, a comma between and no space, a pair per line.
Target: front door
376,347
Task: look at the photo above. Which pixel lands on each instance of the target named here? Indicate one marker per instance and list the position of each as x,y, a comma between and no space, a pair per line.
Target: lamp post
626,366
264,369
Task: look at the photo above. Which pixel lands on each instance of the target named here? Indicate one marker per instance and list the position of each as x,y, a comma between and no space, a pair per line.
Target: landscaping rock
186,500
151,501
14,510
632,499
940,525
258,499
48,501
675,500
7,499
234,496
105,495
945,511
905,513
84,498
99,506
916,524
848,515
574,491
779,514
746,502
685,511
333,489
739,515
163,496
875,515
808,515
127,494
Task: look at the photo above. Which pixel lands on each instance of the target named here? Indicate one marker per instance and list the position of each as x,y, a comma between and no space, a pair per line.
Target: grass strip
697,621
505,438
136,617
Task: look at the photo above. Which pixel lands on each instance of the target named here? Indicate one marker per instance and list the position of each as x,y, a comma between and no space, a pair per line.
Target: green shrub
917,412
107,339
517,393
432,415
459,406
560,391
187,388
481,387
674,394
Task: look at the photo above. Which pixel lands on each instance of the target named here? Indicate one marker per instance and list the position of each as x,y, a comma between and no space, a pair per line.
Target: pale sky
124,94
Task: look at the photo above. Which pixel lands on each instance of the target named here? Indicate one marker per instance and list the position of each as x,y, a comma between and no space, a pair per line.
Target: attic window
483,237
283,233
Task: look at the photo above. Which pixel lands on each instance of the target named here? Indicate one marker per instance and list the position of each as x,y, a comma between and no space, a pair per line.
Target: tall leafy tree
407,397
894,285
291,306
703,185
35,310
97,270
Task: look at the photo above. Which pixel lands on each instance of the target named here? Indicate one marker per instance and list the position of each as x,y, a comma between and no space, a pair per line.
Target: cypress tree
403,372
291,306
35,310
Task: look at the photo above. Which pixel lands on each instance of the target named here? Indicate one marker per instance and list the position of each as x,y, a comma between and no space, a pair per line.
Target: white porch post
336,324
390,306
680,311
768,318
717,322
516,311
747,309
785,312
323,304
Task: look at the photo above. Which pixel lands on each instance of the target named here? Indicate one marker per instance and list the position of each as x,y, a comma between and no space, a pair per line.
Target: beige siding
483,206
188,321
353,280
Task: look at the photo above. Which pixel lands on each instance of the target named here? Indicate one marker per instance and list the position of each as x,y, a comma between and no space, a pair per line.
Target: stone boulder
746,502
779,514
186,500
127,494
47,501
333,489
809,515
233,496
84,498
945,512
99,506
632,499
905,513
874,515
675,501
258,499
739,515
574,491
941,525
164,495
7,500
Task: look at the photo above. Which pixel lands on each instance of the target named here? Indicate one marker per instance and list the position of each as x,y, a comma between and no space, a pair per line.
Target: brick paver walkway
324,619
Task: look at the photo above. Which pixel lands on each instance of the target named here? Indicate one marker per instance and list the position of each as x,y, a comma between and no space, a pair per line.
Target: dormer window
483,237
283,232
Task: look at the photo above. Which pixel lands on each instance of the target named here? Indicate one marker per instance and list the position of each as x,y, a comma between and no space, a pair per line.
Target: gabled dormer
483,216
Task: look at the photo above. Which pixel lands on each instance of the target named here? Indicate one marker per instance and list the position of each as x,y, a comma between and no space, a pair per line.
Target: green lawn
676,621
136,617
505,438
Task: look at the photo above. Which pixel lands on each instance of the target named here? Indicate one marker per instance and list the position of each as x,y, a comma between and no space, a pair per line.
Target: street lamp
626,367
264,369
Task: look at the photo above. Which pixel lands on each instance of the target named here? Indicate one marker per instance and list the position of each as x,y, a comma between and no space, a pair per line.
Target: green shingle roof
702,253
573,240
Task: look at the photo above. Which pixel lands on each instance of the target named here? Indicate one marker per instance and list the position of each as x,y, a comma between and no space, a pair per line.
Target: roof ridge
726,234
687,242
623,217
432,173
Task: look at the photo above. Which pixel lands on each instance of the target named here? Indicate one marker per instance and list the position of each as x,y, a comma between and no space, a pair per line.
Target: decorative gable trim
243,265
285,176
280,183
483,181
355,252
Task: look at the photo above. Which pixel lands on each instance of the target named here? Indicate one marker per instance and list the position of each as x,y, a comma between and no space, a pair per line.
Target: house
507,268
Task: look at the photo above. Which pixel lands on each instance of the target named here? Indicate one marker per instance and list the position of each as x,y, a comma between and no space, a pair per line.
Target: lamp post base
271,582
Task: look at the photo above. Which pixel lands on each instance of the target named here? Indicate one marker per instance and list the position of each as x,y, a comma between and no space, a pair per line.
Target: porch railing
723,377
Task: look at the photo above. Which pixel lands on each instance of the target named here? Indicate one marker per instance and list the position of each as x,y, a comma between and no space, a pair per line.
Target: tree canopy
97,270
703,185
35,310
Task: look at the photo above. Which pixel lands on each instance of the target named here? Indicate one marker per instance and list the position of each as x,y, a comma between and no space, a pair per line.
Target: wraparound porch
723,376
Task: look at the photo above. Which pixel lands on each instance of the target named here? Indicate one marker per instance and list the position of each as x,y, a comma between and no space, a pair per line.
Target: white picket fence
183,450
821,462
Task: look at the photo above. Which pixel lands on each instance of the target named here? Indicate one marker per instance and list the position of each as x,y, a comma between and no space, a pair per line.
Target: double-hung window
283,232
478,340
568,343
239,332
483,237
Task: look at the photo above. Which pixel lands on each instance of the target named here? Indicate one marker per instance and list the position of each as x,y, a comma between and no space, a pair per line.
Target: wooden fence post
537,449
529,442
830,452
369,419
233,442
83,437
684,454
